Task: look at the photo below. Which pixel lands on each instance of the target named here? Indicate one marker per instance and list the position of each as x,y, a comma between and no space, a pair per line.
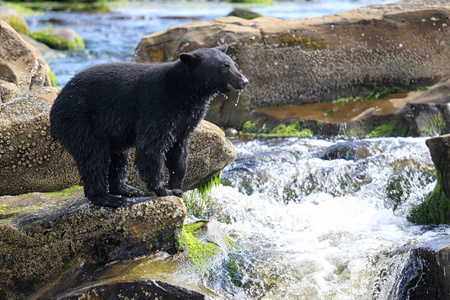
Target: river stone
435,209
419,272
31,161
20,70
43,235
311,60
14,19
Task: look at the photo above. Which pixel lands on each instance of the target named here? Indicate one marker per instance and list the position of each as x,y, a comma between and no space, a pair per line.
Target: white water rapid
319,229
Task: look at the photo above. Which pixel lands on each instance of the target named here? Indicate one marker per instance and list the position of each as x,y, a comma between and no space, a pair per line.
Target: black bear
105,110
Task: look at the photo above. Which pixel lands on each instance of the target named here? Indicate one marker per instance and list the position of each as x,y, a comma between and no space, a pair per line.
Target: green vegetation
52,77
292,130
379,92
434,210
198,202
435,126
305,42
394,128
244,14
63,192
199,253
71,5
17,24
54,42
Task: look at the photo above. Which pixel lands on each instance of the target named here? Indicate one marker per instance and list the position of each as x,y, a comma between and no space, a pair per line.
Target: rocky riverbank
318,59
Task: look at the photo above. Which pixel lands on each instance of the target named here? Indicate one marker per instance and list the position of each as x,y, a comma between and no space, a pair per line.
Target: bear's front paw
177,192
163,191
126,190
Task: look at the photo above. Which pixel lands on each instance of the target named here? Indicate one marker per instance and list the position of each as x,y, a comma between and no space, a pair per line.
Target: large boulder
318,59
31,161
47,239
20,70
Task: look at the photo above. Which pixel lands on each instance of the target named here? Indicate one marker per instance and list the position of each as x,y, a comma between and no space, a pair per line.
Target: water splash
239,94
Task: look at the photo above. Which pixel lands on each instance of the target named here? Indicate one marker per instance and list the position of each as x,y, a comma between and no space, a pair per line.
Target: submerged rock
317,59
43,235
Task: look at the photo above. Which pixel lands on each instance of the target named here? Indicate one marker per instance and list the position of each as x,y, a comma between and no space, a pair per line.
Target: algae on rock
435,209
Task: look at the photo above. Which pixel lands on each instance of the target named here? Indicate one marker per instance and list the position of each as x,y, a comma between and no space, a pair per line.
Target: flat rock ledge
313,60
44,237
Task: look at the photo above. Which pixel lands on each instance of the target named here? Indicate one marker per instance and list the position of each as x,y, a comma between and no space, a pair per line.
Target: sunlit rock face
318,59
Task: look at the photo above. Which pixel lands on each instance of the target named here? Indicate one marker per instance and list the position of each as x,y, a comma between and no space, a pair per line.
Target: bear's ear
189,59
222,48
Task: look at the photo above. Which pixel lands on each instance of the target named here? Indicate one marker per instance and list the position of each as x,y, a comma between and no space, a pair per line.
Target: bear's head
216,69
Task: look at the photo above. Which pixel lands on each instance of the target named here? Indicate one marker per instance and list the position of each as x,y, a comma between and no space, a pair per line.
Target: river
307,228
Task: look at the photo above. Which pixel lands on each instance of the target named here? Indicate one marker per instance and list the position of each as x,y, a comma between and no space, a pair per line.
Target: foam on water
324,245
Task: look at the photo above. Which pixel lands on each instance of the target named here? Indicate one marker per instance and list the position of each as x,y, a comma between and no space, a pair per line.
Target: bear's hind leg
93,164
117,176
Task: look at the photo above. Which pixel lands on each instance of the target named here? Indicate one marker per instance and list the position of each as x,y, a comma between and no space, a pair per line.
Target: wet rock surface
419,113
141,288
318,59
419,272
42,236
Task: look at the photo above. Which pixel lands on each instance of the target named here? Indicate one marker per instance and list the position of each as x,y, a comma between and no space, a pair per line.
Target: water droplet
239,94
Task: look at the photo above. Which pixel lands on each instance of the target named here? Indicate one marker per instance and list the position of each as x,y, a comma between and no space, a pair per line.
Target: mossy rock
244,14
14,19
59,38
435,209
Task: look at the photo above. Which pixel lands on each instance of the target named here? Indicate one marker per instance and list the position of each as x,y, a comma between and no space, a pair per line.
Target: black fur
105,110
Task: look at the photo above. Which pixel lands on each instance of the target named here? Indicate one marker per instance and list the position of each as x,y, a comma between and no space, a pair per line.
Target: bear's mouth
231,88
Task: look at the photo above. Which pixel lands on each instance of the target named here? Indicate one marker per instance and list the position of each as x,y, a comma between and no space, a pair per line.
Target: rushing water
307,228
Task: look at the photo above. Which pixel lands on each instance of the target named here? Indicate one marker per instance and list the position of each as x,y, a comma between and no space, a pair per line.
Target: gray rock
20,71
317,59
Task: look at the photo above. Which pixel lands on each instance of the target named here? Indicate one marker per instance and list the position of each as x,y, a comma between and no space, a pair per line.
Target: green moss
435,126
382,131
434,210
244,14
63,192
44,37
199,253
22,10
198,202
305,42
52,77
75,6
17,24
292,130
7,213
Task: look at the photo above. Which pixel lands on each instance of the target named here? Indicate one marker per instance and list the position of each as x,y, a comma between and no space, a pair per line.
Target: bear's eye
226,66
